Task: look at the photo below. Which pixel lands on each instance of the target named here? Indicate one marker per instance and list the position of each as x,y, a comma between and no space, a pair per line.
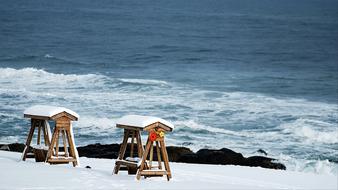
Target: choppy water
245,74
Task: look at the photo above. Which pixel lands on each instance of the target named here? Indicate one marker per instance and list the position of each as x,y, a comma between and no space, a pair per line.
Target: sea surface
241,74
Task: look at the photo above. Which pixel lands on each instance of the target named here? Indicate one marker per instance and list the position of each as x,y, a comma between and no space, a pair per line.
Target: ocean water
241,74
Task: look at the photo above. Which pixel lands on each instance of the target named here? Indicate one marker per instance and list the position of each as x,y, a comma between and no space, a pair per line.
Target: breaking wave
313,130
144,81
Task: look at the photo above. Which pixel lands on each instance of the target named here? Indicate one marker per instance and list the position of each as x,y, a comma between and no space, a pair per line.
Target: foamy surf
144,81
313,131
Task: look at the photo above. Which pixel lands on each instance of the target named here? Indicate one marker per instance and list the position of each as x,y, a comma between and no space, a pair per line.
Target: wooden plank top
47,112
141,122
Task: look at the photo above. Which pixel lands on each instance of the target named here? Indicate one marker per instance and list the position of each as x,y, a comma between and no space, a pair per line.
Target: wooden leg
132,144
165,159
122,151
44,134
124,145
158,156
71,147
29,139
48,132
68,135
38,141
144,157
57,142
139,144
64,143
151,154
51,147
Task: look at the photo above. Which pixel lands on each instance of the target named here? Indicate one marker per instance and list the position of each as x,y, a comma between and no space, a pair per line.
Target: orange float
152,136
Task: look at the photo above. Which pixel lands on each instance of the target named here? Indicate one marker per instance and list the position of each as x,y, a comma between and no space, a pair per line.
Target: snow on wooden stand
156,127
62,116
156,135
131,130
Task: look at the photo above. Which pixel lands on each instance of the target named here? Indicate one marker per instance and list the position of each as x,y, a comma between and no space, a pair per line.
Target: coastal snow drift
16,174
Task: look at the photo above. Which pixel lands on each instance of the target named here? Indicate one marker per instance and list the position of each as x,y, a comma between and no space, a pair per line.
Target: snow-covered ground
15,174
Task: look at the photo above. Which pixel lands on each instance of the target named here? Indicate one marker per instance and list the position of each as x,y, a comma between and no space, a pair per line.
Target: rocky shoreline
222,156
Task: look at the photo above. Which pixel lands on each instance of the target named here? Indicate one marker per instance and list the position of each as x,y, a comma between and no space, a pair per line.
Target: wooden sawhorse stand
134,134
40,115
42,125
133,125
63,127
156,134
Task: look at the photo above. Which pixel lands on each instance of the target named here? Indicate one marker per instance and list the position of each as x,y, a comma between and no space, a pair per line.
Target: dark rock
205,156
99,151
88,167
228,157
112,150
263,162
262,152
176,154
222,156
14,147
189,158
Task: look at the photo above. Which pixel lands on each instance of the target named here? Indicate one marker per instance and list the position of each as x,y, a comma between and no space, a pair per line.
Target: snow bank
17,174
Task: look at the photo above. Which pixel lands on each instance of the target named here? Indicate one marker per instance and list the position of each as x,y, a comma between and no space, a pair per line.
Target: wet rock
263,162
14,147
228,157
262,152
99,151
112,150
222,156
334,161
205,156
175,153
189,158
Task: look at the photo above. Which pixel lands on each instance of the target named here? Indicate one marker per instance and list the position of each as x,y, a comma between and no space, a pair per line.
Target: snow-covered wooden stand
132,129
62,116
156,127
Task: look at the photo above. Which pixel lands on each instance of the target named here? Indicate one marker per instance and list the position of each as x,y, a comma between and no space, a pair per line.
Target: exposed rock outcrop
222,156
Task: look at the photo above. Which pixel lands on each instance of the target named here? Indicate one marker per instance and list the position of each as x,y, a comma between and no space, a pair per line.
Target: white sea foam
144,81
95,124
48,56
312,130
191,124
310,166
9,139
29,77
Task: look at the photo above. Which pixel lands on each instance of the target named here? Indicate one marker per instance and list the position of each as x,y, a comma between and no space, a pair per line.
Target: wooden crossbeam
134,134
